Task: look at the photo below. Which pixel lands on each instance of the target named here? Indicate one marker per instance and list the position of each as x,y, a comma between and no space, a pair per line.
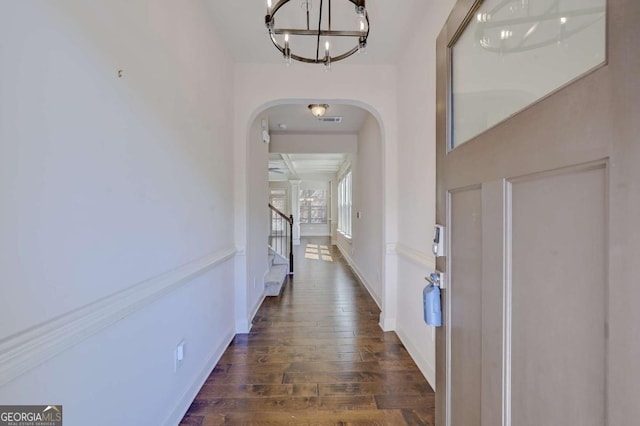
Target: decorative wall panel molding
26,350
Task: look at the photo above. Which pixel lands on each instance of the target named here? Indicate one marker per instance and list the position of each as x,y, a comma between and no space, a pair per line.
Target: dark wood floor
316,356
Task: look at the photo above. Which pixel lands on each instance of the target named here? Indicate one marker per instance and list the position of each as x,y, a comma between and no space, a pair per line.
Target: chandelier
327,43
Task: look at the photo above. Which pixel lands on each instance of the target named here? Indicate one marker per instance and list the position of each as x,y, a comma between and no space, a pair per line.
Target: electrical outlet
178,356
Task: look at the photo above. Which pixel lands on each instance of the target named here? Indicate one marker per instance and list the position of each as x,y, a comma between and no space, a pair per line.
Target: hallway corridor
316,356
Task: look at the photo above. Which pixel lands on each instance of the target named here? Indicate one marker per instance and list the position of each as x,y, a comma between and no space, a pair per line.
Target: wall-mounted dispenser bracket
438,246
436,278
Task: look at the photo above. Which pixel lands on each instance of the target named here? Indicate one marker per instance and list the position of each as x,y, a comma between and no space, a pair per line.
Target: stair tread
276,273
280,260
274,280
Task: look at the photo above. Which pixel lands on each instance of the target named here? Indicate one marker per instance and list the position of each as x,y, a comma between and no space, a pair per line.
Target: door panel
494,211
555,190
466,327
559,290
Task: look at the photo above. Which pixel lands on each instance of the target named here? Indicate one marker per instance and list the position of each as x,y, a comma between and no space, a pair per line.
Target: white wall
106,182
315,230
364,250
296,143
257,252
370,87
416,193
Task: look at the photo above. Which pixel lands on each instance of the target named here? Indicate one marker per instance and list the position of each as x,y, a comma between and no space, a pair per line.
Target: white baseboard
387,324
255,308
185,402
360,275
427,370
243,327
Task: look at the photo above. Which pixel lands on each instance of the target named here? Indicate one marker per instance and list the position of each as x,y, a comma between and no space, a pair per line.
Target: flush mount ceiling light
286,39
318,110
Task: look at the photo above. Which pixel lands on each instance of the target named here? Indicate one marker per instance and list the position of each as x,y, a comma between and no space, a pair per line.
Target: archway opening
329,174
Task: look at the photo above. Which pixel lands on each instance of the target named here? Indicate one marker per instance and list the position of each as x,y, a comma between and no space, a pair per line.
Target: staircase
278,271
280,251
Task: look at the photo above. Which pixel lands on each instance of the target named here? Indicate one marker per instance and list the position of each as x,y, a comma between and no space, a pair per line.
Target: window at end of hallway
345,201
313,206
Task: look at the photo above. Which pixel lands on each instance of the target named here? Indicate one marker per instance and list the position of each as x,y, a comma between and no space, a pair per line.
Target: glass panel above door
515,52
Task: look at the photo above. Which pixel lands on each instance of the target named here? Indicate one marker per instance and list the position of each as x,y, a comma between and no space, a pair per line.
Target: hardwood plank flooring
315,356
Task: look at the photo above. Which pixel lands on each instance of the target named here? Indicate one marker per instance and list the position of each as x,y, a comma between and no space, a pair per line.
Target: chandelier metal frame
326,59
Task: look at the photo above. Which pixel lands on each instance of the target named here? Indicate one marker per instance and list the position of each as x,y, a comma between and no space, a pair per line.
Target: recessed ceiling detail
285,166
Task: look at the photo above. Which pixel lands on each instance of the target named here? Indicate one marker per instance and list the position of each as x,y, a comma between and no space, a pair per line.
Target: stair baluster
281,235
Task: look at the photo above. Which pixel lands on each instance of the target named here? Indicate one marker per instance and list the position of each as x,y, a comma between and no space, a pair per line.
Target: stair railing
281,234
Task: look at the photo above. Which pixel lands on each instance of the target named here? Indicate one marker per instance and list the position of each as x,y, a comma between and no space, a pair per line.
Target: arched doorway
377,272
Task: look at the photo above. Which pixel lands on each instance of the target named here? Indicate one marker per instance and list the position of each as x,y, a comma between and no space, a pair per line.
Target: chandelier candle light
282,38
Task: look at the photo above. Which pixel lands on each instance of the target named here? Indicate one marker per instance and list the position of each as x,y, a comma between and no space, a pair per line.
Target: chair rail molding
418,257
27,349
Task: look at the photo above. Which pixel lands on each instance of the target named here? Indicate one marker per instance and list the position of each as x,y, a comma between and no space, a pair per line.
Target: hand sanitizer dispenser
431,304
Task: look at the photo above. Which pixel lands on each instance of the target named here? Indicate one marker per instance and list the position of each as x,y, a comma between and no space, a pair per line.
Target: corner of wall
387,324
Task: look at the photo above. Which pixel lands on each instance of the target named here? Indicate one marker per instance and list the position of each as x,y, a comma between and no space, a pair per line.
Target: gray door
541,308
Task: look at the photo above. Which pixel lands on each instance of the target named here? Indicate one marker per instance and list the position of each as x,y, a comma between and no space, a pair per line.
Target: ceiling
285,166
241,26
298,119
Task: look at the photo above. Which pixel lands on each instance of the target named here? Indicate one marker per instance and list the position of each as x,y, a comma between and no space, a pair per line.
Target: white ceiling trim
289,164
